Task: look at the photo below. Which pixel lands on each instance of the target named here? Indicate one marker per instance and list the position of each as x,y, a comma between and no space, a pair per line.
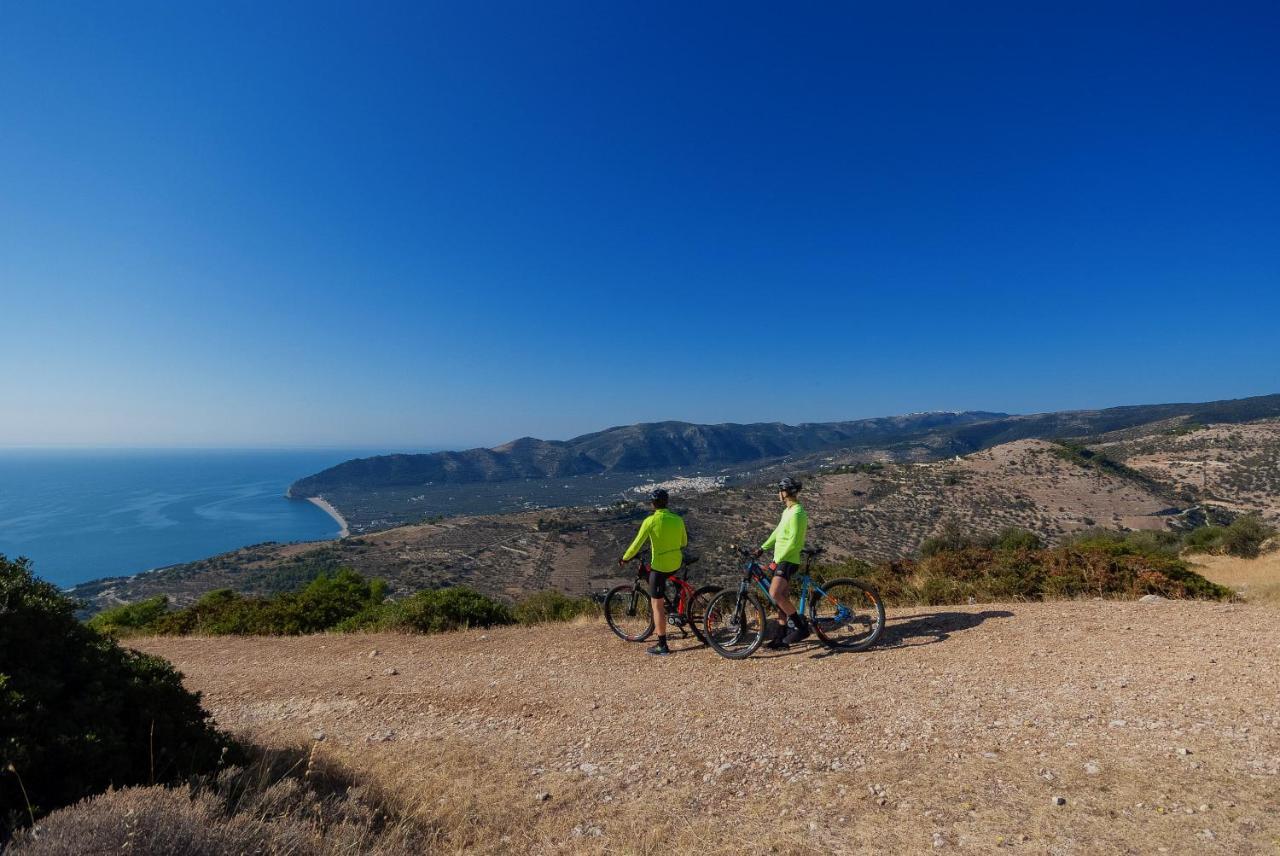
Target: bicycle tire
865,608
698,610
624,602
726,634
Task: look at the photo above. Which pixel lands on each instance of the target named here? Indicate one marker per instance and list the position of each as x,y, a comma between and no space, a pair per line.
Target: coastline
319,502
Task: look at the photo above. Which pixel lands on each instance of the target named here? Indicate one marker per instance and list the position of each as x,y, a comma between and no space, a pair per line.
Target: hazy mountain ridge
644,446
601,467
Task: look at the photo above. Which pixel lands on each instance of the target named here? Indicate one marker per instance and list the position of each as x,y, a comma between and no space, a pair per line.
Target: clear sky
429,225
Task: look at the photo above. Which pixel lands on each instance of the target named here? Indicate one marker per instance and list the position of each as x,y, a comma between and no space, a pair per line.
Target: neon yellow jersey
665,533
787,539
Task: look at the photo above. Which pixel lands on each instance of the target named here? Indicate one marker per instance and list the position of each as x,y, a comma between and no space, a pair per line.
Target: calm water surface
83,514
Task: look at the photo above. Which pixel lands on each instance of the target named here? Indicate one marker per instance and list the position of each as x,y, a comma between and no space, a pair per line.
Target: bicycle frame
755,573
680,607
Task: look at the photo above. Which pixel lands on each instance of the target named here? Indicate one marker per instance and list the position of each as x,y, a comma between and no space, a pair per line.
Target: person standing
665,532
787,541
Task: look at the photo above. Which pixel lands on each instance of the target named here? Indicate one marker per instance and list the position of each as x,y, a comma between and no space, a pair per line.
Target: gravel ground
1071,727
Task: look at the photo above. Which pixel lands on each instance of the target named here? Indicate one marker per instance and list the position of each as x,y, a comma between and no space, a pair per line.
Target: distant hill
1172,474
630,448
392,490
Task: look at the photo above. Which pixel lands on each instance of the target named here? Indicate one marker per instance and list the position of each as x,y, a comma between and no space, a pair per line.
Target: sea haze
83,514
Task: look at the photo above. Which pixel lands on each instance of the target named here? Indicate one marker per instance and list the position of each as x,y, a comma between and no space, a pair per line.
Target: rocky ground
1072,727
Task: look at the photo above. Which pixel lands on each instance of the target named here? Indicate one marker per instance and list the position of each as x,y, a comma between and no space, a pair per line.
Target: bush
436,611
327,601
132,617
285,801
1245,535
78,713
1013,538
1112,565
553,606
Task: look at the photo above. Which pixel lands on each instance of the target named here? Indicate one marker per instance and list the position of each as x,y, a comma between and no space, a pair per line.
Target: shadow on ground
927,628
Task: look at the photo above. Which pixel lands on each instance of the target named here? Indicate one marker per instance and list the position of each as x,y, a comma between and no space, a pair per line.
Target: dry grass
1255,580
293,800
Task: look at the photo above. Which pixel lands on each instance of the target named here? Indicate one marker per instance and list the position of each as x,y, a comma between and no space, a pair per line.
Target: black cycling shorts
658,583
785,570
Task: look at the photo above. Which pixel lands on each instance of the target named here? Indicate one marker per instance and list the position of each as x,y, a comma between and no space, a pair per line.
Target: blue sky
452,224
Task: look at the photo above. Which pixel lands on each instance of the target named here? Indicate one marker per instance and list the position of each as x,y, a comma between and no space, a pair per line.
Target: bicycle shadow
903,631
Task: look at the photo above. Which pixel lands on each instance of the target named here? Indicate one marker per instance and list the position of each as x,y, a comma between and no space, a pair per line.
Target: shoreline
323,505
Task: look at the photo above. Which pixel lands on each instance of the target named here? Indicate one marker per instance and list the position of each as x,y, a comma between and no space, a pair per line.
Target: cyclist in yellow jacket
787,541
664,530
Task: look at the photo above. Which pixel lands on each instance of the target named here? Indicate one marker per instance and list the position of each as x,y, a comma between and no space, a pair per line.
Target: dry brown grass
1255,580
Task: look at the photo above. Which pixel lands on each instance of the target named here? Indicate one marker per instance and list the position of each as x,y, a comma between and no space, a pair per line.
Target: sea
82,514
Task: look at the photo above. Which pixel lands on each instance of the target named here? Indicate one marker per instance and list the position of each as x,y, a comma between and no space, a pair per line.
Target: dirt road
1075,727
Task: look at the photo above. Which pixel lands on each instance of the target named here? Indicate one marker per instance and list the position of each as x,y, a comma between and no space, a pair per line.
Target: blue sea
83,514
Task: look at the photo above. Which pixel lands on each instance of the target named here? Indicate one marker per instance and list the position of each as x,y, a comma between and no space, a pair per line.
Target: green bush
1013,538
553,606
435,611
1205,539
1112,566
326,602
132,617
78,713
1245,535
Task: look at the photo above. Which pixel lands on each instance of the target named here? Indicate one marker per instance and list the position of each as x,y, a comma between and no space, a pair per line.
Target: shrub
1111,566
1245,535
132,617
326,602
1013,538
78,713
285,801
553,606
434,611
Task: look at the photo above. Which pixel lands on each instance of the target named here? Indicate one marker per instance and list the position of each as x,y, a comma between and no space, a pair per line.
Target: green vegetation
1243,537
78,713
954,537
950,573
436,611
344,602
553,606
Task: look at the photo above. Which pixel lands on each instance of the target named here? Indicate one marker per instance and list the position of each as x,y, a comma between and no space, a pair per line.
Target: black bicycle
629,614
846,614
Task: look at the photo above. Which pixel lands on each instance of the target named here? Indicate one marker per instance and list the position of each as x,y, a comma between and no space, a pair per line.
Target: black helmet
789,485
658,495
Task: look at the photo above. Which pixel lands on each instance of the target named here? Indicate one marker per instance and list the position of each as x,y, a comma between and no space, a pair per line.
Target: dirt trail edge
1073,727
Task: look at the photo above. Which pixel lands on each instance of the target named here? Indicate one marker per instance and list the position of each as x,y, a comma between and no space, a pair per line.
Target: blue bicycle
846,615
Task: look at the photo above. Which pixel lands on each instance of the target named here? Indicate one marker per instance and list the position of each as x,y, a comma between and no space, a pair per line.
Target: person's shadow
928,628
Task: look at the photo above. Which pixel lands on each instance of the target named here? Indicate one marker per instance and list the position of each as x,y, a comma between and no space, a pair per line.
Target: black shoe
659,650
776,642
798,633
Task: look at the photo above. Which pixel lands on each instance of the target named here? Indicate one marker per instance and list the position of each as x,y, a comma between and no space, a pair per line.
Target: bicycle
629,614
846,614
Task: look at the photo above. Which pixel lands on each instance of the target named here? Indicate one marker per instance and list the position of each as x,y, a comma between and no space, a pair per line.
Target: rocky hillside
863,510
392,490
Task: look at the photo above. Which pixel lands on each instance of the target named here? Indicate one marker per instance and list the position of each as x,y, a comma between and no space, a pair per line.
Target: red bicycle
627,609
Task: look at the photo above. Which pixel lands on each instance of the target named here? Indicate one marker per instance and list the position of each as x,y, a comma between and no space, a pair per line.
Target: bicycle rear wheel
628,613
698,610
847,614
734,624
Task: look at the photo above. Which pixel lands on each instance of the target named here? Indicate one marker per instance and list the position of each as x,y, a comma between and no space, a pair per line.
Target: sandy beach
328,509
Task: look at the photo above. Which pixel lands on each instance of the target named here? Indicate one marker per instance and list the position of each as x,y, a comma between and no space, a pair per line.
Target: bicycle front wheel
627,610
847,614
734,624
